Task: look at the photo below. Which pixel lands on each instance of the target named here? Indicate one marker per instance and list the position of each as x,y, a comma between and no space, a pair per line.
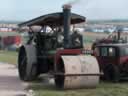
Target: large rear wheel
27,69
111,73
116,74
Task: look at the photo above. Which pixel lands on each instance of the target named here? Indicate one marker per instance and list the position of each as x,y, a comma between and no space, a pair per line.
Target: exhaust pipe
119,29
67,22
118,34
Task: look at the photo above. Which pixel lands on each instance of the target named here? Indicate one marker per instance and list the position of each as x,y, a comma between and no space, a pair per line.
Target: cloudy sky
92,9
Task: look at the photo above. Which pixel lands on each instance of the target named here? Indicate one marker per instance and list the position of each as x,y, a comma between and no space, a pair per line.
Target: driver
77,39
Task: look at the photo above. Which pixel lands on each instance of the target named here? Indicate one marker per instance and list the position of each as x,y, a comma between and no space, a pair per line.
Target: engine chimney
119,29
67,22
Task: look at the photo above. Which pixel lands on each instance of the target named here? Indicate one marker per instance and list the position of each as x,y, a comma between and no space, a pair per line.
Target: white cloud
103,9
92,9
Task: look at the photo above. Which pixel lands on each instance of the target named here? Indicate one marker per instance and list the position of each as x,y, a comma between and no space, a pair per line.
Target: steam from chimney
73,2
78,2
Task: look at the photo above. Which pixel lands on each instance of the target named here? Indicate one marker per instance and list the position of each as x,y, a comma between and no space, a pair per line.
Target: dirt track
10,84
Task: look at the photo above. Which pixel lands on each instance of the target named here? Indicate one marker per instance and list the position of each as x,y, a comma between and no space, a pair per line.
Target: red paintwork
66,52
117,60
9,40
17,40
123,59
106,60
102,41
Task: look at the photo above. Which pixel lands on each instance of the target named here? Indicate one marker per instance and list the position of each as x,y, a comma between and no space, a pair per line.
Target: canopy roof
54,19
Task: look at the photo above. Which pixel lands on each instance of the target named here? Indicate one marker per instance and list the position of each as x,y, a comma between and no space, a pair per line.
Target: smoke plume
73,2
78,2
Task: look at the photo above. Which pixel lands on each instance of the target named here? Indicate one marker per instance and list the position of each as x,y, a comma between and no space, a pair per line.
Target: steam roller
52,49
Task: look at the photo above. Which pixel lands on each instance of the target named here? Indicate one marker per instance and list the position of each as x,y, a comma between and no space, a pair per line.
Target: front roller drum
77,72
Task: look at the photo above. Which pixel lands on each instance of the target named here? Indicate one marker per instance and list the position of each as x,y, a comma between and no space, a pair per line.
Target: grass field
103,89
8,57
90,37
